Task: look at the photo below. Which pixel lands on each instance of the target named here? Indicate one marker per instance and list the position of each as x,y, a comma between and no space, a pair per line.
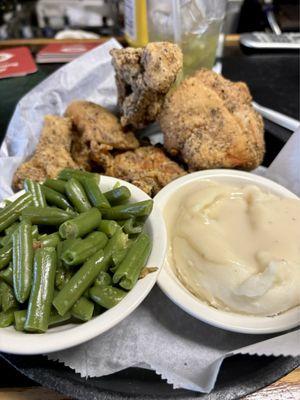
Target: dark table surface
273,80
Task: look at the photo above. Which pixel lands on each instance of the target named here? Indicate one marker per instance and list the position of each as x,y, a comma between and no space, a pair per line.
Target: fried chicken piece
146,167
52,152
80,152
99,131
210,123
143,77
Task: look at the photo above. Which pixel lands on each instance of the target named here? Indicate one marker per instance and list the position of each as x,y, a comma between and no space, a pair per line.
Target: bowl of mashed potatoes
233,257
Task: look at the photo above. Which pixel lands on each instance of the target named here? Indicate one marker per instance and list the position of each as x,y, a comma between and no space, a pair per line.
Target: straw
176,21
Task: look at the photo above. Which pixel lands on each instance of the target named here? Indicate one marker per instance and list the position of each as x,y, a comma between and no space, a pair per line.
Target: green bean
20,318
130,227
35,231
46,216
94,193
118,257
7,240
71,211
51,240
80,225
59,250
9,301
35,189
54,319
107,296
5,203
129,210
83,309
69,173
77,196
62,277
7,275
129,270
22,261
55,198
103,279
2,285
41,296
108,227
5,256
117,195
6,318
11,213
79,282
55,184
68,243
10,230
87,274
79,252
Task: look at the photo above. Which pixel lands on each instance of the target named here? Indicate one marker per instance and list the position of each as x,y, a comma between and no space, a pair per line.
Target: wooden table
287,388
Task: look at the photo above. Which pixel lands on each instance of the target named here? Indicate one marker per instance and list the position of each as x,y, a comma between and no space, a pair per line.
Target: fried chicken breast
143,77
146,167
52,152
98,130
210,123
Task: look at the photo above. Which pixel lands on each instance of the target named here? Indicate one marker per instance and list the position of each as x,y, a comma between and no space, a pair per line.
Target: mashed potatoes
237,248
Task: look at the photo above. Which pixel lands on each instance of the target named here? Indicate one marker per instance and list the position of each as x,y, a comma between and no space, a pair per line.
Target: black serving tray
239,376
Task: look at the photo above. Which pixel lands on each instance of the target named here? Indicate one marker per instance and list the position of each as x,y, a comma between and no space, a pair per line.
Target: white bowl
69,335
174,289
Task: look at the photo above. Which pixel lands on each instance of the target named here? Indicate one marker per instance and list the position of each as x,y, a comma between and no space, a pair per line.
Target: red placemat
16,62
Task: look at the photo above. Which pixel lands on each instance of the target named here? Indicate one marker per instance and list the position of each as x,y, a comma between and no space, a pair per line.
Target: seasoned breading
210,123
80,152
146,167
52,152
143,77
99,131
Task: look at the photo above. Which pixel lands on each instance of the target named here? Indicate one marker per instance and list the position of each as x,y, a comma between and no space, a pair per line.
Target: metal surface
280,119
268,41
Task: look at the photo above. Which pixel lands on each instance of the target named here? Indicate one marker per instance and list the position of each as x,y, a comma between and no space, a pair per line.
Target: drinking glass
193,24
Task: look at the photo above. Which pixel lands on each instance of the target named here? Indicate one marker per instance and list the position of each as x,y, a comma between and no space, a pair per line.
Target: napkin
158,335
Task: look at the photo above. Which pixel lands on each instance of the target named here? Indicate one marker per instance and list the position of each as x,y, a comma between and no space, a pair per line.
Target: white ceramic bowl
175,290
69,335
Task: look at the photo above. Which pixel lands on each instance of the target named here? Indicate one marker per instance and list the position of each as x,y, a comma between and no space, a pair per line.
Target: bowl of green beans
78,254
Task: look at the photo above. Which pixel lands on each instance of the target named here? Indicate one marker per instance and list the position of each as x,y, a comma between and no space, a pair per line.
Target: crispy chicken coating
52,152
146,167
143,77
98,131
210,123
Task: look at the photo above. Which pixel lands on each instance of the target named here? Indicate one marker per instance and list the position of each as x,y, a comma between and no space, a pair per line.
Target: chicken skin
98,131
52,152
143,77
209,122
146,167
